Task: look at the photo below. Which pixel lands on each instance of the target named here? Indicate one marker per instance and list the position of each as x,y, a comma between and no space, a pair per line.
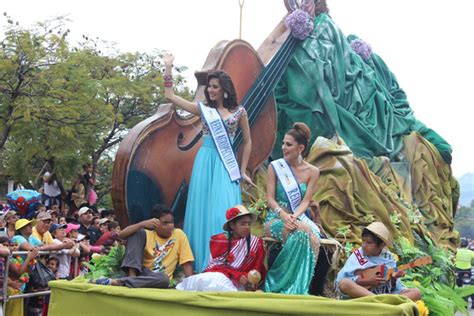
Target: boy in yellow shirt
154,249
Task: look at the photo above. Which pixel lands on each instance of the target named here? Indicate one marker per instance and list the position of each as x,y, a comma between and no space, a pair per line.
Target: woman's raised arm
169,93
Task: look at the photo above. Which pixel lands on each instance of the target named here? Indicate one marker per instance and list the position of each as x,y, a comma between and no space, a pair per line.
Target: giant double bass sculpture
154,161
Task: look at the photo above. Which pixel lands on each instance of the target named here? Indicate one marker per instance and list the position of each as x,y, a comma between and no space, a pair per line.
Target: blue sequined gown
293,268
211,193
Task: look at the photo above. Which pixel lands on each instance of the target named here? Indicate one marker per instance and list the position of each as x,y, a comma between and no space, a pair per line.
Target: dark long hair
227,85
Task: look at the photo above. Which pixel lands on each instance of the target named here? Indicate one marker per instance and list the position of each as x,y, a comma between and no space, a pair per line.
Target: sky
425,43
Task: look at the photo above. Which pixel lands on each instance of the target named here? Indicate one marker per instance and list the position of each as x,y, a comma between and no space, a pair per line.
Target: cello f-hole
187,147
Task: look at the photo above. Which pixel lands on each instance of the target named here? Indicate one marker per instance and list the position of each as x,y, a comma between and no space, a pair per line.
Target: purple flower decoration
362,48
300,24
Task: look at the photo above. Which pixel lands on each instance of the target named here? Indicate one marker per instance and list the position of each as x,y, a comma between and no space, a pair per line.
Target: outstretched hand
168,59
247,179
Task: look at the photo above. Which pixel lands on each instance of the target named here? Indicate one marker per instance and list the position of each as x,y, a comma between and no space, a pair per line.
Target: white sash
221,139
291,187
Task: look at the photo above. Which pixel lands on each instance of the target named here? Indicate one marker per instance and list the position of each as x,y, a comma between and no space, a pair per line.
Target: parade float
376,162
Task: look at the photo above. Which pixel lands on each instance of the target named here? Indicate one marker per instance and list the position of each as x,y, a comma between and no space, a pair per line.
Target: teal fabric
335,92
211,193
293,268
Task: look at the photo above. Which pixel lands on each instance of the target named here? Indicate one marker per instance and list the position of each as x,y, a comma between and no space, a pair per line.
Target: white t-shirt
51,189
64,260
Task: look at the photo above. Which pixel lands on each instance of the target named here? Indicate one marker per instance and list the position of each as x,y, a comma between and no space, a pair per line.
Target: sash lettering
221,140
291,187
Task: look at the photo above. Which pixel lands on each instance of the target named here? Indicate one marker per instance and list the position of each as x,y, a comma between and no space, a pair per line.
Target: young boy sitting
372,253
154,249
233,255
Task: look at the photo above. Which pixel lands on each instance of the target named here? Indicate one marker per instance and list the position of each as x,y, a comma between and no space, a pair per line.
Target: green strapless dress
293,268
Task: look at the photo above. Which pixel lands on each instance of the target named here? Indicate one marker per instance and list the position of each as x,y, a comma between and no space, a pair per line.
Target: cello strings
256,89
260,91
271,77
268,71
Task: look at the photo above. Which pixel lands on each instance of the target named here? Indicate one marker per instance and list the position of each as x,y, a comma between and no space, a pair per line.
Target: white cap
84,210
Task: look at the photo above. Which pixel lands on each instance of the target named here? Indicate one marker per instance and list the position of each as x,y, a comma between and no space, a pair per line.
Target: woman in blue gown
293,268
211,191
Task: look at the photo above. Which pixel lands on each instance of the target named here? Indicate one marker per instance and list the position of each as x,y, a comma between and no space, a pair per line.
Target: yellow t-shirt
164,254
46,239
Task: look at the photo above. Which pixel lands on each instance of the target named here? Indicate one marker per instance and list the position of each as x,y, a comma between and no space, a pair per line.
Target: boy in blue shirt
372,253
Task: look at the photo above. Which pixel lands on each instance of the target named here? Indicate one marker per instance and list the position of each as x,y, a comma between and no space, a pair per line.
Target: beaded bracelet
168,79
277,210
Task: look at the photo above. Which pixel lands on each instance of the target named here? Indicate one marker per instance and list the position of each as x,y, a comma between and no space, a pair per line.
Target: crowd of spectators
66,225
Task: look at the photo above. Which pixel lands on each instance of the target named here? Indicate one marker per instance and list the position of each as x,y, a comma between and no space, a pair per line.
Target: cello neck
263,87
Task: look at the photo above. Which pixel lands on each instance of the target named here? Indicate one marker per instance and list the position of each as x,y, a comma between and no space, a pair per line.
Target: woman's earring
300,158
225,95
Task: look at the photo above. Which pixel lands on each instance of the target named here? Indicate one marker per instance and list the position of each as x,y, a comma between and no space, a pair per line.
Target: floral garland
18,262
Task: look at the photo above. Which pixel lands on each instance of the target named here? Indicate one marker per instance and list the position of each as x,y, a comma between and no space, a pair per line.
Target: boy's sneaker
101,281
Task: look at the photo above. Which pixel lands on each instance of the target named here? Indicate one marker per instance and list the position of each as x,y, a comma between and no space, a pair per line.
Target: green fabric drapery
333,90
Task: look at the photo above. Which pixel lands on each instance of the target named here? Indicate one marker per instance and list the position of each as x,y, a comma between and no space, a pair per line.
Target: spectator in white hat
87,228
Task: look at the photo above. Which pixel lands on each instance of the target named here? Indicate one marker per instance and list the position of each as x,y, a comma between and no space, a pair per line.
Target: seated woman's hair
368,233
302,134
159,210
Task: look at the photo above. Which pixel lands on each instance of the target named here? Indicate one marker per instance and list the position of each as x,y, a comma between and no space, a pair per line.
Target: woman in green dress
291,183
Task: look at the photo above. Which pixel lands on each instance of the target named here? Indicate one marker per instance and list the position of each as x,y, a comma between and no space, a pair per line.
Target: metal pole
5,286
5,297
12,297
76,261
241,5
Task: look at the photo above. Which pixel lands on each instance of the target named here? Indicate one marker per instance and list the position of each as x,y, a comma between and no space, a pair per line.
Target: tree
48,104
464,221
132,85
63,105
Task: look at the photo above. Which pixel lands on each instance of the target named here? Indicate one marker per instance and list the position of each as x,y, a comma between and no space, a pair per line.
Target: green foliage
259,207
464,221
64,104
395,218
106,266
436,281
